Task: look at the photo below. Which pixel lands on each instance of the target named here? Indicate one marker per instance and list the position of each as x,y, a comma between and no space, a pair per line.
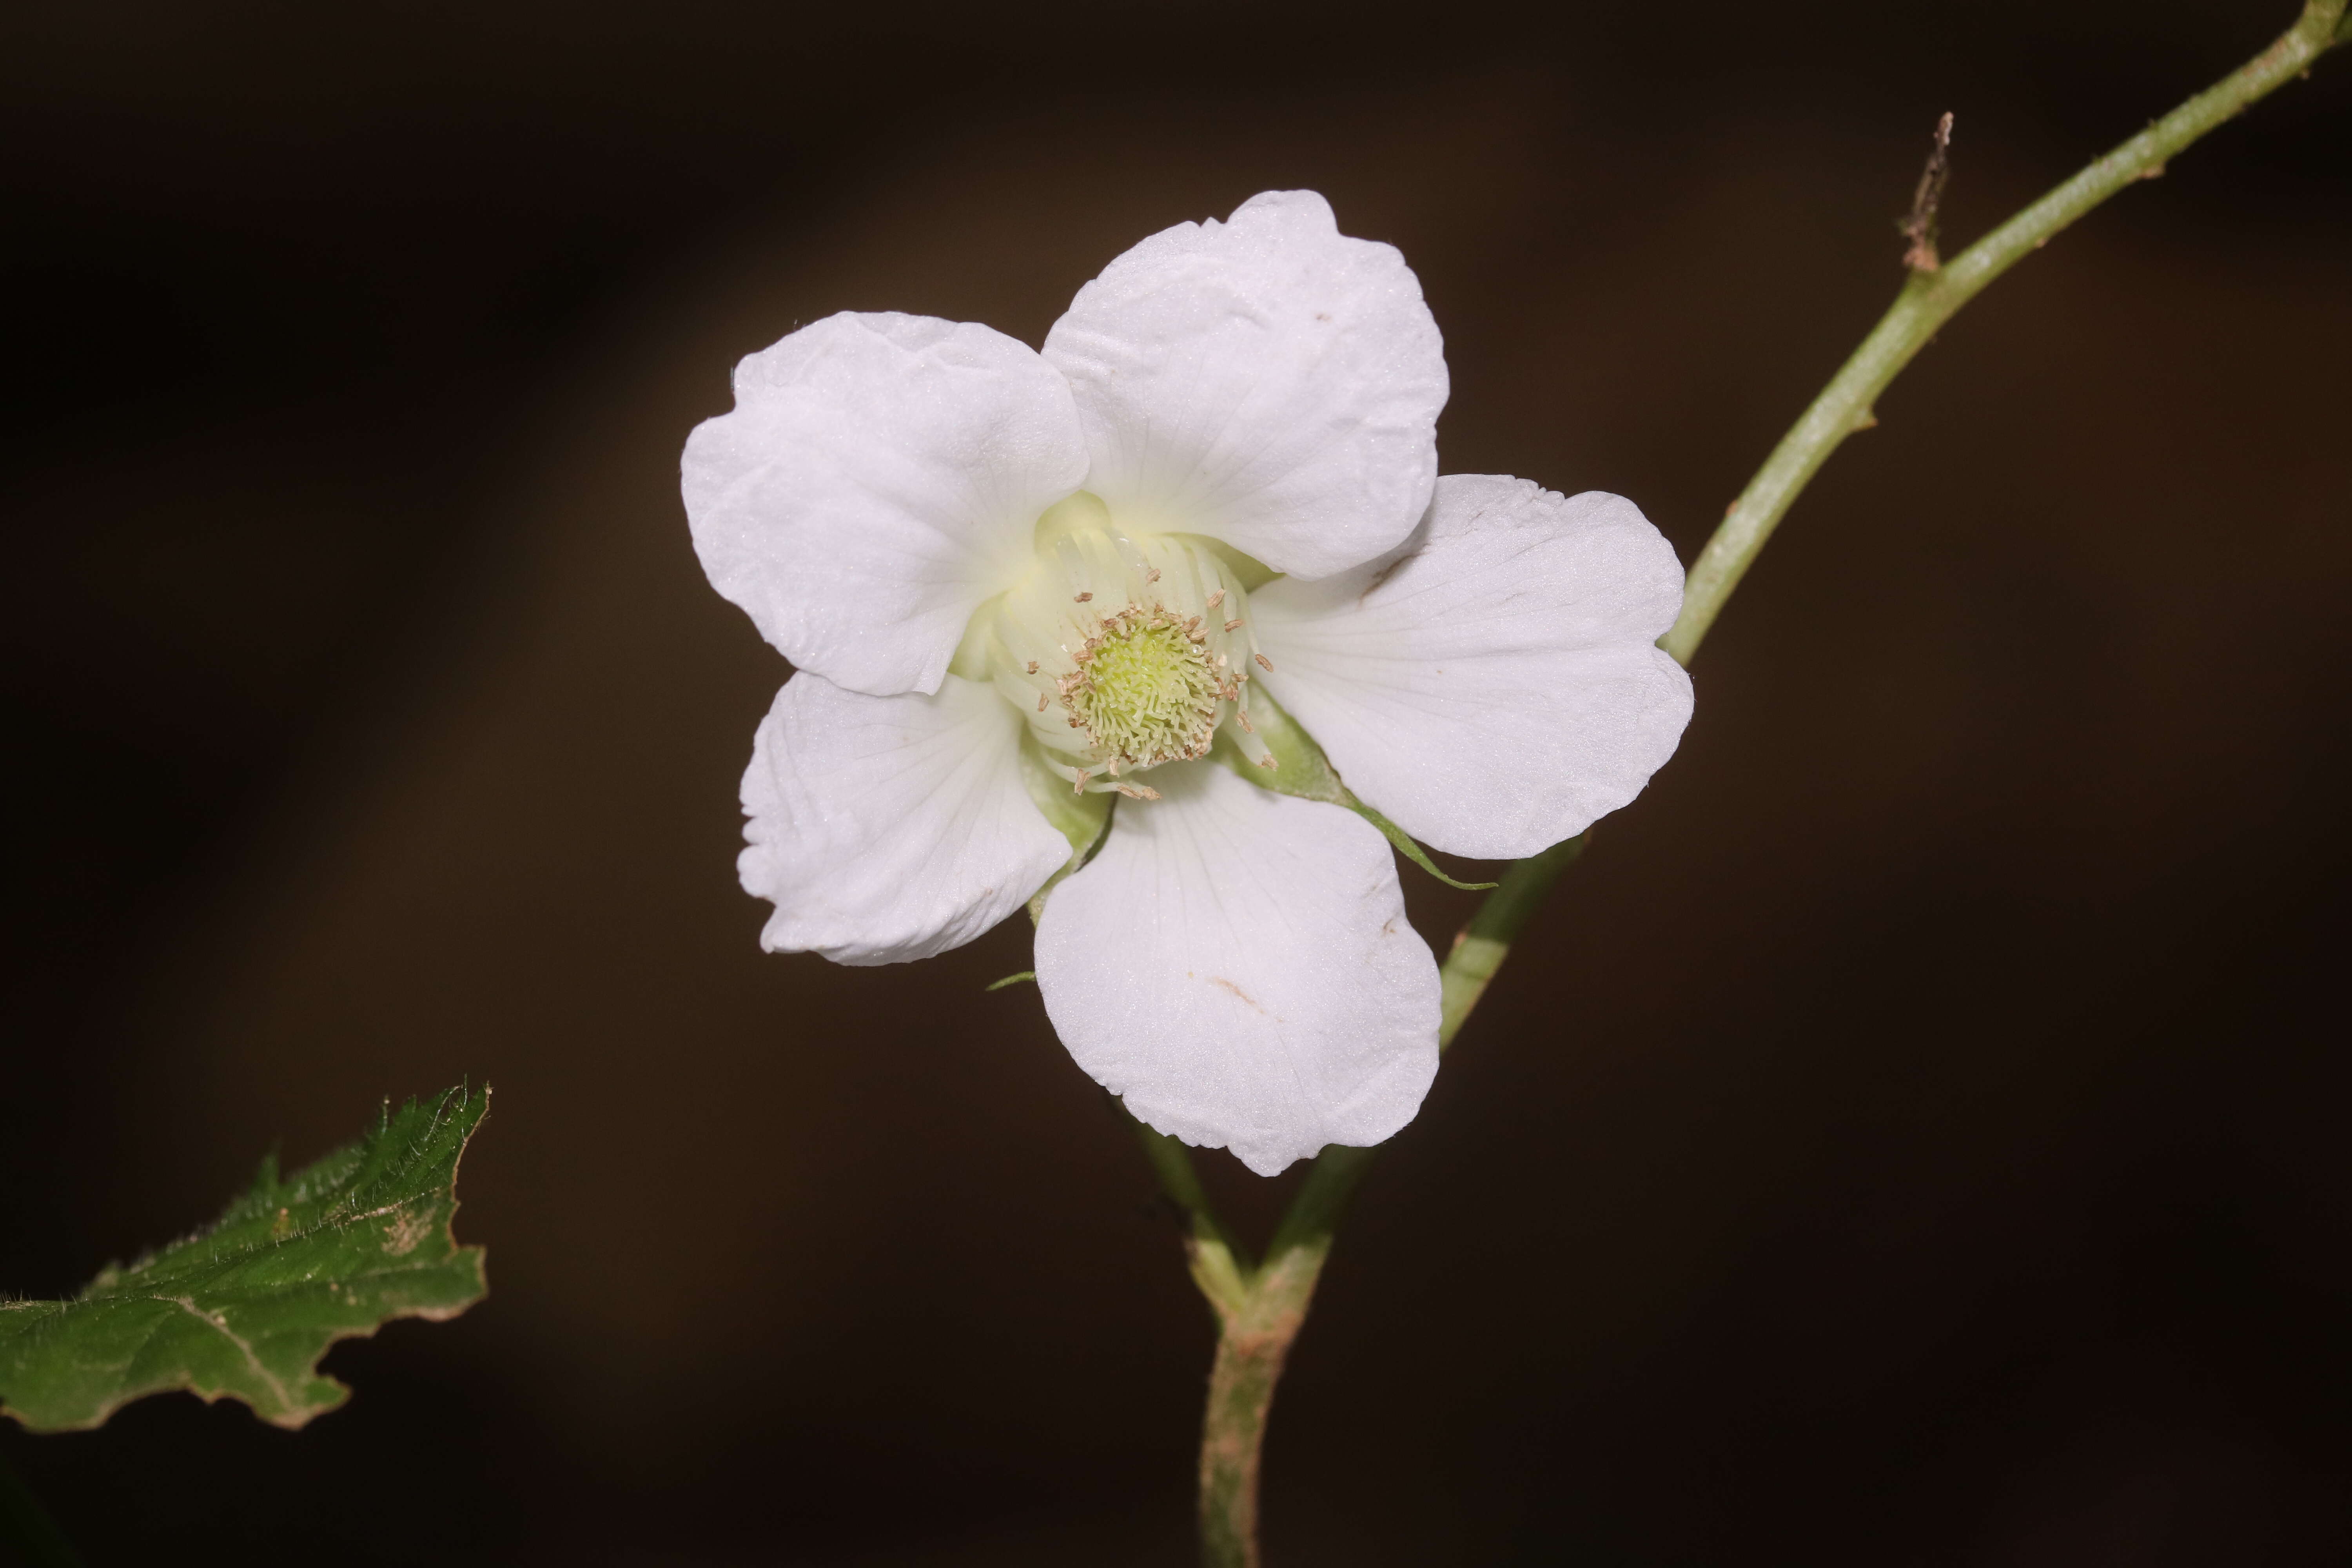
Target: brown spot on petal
1247,1000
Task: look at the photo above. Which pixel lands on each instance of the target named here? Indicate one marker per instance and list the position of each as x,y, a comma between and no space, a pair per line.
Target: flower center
1145,689
1124,649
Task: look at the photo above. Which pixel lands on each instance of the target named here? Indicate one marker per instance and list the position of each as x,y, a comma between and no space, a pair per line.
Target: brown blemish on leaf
403,1232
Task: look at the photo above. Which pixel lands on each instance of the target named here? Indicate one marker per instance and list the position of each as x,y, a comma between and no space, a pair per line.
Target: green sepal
1028,975
1410,850
246,1309
1304,771
1083,819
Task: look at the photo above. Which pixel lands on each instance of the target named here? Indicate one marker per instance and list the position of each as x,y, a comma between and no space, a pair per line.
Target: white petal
1493,687
887,828
1235,965
880,475
1265,381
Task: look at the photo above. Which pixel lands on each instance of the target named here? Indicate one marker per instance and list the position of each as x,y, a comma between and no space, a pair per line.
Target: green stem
1256,1328
1483,944
1931,297
1220,1268
1260,1309
1252,1342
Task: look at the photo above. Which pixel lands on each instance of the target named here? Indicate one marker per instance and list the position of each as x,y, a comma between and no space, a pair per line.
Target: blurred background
1912,1135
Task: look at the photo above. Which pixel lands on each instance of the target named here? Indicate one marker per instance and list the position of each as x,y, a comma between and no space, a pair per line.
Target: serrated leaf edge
294,1418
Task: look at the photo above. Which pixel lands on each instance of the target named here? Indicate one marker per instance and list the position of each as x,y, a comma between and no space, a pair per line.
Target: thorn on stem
1919,228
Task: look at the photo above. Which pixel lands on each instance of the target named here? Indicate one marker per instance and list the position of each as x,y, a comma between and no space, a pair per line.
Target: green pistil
1147,691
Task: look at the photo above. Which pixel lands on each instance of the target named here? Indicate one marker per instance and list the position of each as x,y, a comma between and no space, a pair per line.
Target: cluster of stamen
1126,650
1146,688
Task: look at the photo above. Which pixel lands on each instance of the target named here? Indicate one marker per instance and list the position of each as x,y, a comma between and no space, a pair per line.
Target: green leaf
1304,771
246,1309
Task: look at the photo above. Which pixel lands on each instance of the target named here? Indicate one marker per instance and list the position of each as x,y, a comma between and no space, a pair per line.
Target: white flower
1019,587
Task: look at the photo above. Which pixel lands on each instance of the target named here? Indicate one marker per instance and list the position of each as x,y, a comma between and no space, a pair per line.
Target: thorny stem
1931,296
1260,1308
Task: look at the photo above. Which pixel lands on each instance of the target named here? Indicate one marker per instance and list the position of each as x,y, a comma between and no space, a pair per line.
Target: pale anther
1265,664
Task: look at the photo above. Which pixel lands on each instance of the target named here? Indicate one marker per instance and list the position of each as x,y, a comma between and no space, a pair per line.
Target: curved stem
1252,1342
1261,1309
1220,1268
1256,1326
1932,295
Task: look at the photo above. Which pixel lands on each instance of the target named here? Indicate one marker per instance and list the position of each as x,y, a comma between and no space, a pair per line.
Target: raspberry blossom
1040,605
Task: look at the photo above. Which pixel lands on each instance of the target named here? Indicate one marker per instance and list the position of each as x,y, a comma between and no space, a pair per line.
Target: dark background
1911,1136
